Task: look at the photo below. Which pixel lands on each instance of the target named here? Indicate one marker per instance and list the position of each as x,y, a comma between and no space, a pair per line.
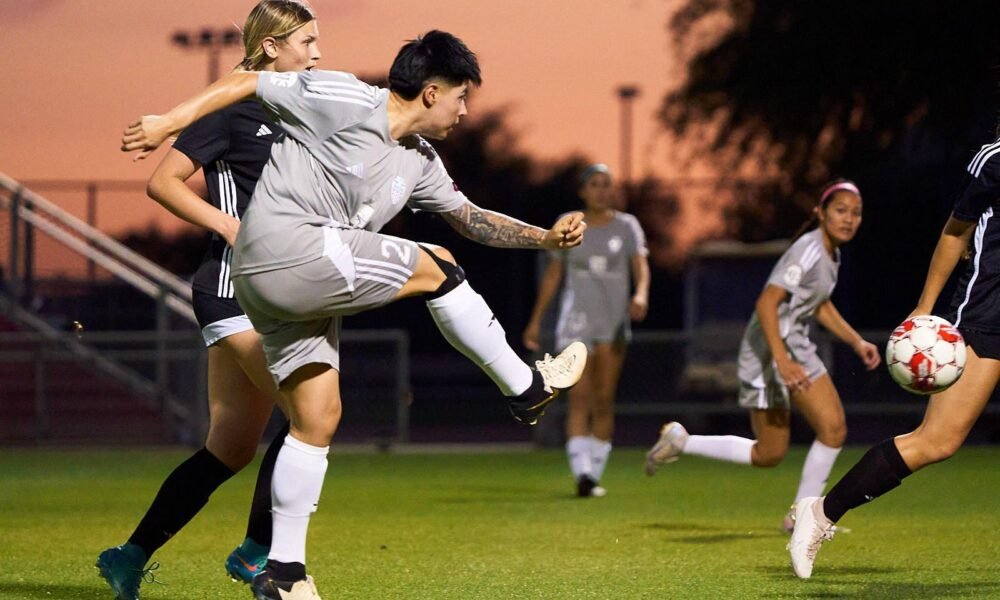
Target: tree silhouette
896,95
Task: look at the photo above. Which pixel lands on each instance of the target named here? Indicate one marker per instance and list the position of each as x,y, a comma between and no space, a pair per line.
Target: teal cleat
124,568
246,561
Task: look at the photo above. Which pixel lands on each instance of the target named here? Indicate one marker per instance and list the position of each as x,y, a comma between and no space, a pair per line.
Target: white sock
578,452
816,470
599,451
295,487
729,448
468,324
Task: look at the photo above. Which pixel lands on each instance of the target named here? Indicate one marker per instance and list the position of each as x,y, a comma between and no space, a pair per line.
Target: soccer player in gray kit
597,307
778,365
308,251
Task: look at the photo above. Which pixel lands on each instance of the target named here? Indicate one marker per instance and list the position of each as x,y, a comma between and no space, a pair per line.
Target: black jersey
232,146
976,304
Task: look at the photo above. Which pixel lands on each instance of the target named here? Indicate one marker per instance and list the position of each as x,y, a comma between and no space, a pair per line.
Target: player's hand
868,353
566,233
638,308
794,375
919,311
531,336
231,228
145,134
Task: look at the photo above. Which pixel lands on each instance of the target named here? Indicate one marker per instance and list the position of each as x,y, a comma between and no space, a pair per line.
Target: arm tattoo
492,228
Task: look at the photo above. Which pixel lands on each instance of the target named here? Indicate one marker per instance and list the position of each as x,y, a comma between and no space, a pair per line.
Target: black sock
259,523
282,571
879,471
182,495
535,390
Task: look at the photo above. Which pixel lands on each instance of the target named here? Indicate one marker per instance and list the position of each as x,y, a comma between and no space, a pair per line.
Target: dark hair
434,55
826,195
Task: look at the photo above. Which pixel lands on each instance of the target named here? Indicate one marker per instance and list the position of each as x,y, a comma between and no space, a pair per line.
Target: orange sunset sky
76,72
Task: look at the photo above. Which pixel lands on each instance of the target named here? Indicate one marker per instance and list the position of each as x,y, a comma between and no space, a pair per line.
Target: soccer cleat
124,568
246,561
266,588
668,448
586,487
558,373
812,528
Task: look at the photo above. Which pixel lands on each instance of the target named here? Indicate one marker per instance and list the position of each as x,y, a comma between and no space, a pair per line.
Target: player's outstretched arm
146,133
500,231
950,247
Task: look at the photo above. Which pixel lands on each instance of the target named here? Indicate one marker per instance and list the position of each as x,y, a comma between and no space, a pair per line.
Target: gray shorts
589,324
297,310
761,386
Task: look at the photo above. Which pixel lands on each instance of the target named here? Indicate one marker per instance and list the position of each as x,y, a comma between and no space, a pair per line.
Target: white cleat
668,448
565,369
558,373
812,528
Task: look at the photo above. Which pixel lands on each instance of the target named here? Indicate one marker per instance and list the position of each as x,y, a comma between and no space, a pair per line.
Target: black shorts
986,344
218,317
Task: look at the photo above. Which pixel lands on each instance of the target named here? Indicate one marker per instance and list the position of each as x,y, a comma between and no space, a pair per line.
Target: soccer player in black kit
230,147
950,414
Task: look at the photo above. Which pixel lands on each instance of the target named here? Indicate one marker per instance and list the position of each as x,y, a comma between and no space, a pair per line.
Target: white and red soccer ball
925,354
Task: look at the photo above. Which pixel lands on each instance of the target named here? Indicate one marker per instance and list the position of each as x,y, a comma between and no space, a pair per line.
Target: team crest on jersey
398,190
615,244
793,275
284,80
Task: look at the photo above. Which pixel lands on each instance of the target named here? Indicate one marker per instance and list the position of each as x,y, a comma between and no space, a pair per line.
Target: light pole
209,40
626,94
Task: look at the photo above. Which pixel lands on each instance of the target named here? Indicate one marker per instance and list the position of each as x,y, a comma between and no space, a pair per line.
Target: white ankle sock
578,452
468,324
729,448
599,451
295,488
816,470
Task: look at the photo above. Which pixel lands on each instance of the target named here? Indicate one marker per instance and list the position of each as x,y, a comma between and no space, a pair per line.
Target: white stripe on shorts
385,265
383,272
213,332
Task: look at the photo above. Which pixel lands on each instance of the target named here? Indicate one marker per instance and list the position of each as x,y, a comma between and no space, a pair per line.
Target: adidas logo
263,130
357,170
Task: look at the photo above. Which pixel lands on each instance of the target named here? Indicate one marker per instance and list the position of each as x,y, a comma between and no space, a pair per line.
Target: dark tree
896,95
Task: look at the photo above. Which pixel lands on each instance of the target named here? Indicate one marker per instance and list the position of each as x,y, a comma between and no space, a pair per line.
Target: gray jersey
597,282
809,274
336,166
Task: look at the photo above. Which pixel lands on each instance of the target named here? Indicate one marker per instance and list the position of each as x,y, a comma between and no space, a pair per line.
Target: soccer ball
925,354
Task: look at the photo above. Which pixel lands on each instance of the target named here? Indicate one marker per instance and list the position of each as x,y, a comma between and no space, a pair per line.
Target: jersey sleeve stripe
976,161
346,100
986,159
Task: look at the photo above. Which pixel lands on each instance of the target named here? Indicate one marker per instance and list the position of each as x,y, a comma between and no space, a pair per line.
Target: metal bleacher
100,345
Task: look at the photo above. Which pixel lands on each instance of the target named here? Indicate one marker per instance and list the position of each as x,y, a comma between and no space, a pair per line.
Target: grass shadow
26,591
708,534
866,588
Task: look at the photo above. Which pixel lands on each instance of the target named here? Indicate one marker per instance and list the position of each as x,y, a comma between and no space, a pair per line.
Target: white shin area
295,489
469,325
816,470
730,448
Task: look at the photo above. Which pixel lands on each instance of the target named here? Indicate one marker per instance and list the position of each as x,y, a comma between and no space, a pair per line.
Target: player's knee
833,436
454,275
943,449
767,457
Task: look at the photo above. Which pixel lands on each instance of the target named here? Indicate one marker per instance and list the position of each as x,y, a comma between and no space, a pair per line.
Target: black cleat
266,588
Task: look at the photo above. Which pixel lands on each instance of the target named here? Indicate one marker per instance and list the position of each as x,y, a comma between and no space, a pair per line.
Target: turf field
505,525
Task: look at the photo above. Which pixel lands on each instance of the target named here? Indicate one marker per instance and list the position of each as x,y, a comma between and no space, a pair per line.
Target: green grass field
505,525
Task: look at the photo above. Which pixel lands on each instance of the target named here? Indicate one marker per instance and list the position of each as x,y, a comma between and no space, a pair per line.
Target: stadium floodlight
209,40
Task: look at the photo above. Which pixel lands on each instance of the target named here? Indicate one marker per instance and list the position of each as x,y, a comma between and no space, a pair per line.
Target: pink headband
843,186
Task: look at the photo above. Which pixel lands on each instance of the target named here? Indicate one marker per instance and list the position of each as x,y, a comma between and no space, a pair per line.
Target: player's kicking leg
470,326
